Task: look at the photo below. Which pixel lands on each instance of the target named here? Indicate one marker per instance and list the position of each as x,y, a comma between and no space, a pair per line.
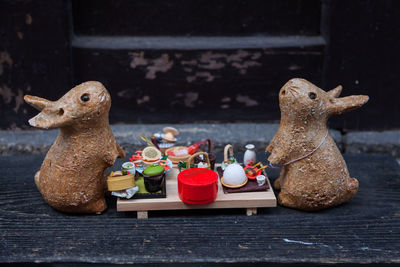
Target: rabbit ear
335,92
348,103
36,102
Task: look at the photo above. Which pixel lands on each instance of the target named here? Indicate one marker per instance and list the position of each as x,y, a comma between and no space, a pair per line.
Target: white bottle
249,155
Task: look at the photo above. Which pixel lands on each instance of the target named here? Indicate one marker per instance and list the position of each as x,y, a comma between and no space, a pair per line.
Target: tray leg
251,211
142,215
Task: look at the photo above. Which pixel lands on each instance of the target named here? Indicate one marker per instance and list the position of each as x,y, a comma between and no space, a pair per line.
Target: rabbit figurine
72,177
314,175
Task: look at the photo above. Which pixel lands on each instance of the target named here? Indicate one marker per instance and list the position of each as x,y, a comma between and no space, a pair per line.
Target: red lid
198,176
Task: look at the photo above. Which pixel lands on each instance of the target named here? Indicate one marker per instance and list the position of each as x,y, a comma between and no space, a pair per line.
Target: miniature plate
167,139
252,177
233,186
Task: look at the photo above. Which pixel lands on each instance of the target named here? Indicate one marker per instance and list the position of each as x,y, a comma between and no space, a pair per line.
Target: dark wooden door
200,61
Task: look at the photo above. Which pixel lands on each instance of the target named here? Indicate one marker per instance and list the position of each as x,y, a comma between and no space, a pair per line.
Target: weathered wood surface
45,50
197,85
196,17
366,230
34,56
362,54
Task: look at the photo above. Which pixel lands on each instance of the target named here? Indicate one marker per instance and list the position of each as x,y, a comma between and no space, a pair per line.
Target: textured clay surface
320,180
73,174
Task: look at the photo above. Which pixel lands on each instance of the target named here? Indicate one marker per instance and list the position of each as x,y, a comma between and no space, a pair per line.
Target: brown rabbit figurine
314,175
73,174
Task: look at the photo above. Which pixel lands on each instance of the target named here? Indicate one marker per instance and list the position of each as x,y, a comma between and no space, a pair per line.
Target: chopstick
256,165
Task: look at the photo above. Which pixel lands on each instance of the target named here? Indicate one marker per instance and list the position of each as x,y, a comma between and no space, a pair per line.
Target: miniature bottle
249,155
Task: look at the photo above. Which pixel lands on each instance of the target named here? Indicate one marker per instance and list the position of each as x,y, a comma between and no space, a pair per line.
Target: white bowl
234,175
126,166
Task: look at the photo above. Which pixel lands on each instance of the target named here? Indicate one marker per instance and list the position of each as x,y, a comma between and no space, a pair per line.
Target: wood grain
365,230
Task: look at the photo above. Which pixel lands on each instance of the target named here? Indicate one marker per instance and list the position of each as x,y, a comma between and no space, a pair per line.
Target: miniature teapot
228,159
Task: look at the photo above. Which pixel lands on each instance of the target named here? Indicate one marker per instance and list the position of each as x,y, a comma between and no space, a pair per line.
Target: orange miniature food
151,154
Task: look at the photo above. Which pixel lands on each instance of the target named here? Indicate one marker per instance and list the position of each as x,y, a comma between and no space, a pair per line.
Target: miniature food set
192,184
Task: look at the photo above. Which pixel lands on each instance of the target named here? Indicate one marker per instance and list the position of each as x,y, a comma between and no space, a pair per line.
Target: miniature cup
261,180
129,166
154,183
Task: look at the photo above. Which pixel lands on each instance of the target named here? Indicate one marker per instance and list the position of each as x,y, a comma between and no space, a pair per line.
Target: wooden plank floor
365,230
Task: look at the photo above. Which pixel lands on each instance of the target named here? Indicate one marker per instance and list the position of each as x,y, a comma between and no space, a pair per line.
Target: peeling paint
294,67
242,67
226,99
6,94
28,19
190,98
20,35
125,93
189,62
204,66
201,74
137,59
19,100
256,56
161,64
246,100
142,100
210,62
5,58
241,60
225,106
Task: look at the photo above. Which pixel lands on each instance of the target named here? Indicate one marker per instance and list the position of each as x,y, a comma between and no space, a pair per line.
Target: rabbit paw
277,184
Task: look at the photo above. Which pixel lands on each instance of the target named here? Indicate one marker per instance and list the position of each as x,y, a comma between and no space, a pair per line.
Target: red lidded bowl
198,186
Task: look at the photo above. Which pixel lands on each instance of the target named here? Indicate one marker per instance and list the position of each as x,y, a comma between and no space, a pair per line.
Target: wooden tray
250,201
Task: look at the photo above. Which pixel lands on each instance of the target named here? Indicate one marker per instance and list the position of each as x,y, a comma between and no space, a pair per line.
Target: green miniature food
153,170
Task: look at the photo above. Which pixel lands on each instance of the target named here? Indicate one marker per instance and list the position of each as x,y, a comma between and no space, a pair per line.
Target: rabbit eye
312,95
85,98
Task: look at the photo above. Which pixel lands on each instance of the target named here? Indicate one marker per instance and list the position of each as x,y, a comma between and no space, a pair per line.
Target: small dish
233,186
167,138
252,177
129,166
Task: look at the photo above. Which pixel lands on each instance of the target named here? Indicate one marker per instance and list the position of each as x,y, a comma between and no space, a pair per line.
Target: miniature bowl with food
234,176
129,166
151,155
120,180
252,172
153,177
169,134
